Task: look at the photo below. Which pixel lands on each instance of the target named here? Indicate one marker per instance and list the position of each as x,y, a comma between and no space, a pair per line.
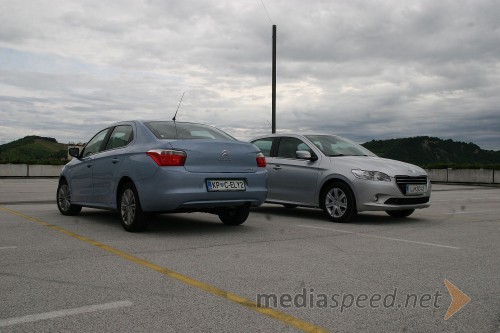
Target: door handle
89,165
277,167
115,160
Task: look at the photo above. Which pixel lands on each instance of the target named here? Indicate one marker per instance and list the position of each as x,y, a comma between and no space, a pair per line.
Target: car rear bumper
177,189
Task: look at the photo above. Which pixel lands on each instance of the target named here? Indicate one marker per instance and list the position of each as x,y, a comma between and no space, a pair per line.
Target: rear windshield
169,130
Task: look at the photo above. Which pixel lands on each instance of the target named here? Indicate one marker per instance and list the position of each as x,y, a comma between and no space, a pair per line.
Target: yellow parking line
283,317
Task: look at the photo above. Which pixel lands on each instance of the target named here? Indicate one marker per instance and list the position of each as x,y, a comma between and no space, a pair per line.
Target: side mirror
305,155
74,152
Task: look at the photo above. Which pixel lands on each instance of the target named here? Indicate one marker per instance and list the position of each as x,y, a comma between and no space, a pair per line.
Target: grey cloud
365,70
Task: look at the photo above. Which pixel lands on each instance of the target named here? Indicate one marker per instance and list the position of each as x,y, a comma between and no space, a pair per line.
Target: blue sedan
145,167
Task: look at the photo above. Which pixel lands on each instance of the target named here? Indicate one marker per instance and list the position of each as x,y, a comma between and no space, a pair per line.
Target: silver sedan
340,176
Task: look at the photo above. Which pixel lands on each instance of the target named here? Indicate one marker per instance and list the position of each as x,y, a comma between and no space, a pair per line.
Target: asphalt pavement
284,270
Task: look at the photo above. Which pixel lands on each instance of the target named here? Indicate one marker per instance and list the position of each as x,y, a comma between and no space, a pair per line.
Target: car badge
225,156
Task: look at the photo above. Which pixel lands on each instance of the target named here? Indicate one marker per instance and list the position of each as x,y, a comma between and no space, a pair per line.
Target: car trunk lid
215,156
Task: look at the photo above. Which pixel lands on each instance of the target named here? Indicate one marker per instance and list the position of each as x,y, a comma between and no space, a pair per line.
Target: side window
289,146
264,145
120,137
94,145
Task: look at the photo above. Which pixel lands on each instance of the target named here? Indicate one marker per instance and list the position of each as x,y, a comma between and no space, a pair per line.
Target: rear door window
120,137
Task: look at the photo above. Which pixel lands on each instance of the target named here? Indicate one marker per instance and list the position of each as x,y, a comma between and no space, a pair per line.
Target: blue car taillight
261,160
164,157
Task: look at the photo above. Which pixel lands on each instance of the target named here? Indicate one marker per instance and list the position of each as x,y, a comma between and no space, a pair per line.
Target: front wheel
338,202
400,213
64,200
234,215
132,217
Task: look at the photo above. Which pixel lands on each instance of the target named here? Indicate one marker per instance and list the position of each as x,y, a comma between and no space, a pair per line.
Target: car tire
63,199
338,203
234,215
290,206
132,218
400,213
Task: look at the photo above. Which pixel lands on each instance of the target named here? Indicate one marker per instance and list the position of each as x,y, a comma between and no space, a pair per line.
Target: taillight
167,157
261,160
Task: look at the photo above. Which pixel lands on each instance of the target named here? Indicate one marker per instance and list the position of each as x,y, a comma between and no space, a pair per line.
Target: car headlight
371,175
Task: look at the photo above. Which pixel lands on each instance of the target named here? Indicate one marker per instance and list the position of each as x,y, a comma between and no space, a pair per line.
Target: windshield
331,145
169,130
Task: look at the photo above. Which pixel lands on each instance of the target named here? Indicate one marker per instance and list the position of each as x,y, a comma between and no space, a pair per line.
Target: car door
81,173
107,165
292,179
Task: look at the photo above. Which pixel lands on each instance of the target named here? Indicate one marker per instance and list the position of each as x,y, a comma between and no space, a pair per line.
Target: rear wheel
234,215
64,200
132,217
400,213
338,202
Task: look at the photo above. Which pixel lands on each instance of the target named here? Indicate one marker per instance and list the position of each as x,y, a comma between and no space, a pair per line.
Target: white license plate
225,185
415,189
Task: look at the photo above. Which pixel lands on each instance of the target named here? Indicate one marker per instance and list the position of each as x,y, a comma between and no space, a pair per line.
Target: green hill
427,152
34,150
430,152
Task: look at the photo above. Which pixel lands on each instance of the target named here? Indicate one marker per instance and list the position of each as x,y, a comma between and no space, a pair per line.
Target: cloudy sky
365,70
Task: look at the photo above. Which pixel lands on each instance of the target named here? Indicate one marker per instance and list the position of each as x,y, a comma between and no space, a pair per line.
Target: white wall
479,176
25,170
13,170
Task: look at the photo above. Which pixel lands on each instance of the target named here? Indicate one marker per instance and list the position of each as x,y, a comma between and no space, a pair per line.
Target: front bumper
382,196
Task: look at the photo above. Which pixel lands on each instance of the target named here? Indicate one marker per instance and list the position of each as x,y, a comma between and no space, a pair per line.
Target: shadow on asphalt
181,223
312,214
186,223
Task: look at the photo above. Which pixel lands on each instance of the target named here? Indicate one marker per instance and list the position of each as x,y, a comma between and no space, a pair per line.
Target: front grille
402,181
407,201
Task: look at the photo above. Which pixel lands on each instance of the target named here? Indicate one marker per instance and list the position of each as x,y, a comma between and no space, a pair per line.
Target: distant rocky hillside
433,152
34,150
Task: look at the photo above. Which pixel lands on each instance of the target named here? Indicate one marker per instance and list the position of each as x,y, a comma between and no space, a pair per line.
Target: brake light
168,157
261,160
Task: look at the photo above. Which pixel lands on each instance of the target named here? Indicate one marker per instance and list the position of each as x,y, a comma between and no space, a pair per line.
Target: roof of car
156,120
292,134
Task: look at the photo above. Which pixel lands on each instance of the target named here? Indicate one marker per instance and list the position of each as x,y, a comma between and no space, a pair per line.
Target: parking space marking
380,237
278,315
63,313
466,199
7,247
474,212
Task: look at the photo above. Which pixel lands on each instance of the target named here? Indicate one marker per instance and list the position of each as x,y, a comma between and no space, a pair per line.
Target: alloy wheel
128,208
336,202
64,198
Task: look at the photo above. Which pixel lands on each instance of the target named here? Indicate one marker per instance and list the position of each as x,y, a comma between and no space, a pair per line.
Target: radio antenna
175,115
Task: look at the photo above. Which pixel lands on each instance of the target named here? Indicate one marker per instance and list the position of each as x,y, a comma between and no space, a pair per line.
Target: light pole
274,82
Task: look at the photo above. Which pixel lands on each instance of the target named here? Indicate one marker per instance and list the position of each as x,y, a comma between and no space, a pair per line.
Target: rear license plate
415,189
225,185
